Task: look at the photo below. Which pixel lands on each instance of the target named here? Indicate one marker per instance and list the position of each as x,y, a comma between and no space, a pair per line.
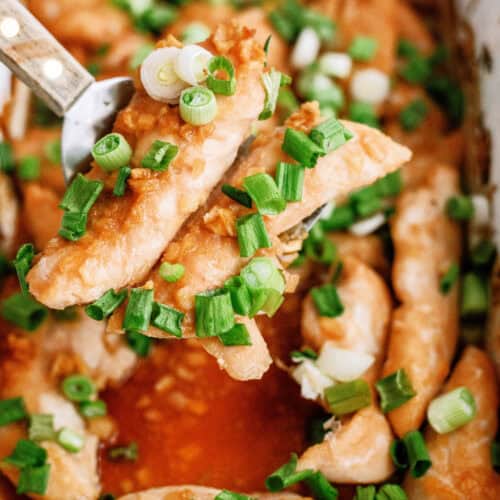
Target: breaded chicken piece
210,15
9,216
134,229
411,27
425,326
198,493
363,159
32,367
358,452
461,461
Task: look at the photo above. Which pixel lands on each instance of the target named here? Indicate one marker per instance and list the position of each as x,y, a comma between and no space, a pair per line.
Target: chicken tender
197,493
363,159
31,368
425,327
461,461
358,452
136,228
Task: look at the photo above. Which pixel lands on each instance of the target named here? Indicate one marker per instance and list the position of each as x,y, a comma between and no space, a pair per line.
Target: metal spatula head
91,117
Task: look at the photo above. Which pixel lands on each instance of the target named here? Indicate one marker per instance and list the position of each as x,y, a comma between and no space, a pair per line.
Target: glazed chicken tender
461,461
364,158
358,452
425,326
33,369
134,229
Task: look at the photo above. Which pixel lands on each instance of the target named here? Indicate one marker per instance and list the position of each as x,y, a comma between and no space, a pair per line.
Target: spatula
54,75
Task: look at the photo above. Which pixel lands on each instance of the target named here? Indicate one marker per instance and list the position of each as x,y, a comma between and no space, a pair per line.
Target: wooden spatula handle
36,57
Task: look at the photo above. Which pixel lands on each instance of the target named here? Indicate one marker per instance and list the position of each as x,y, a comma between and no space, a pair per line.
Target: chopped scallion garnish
290,180
394,390
301,148
238,335
307,353
272,83
26,453
12,410
214,313
418,456
391,492
265,193
413,115
348,397
139,343
78,388
320,487
138,312
327,301
34,479
70,440
452,410
197,106
230,495
330,135
483,254
167,319
29,168
475,295
363,48
22,264
41,427
389,185
252,234
52,151
73,225
129,452
216,84
93,409
159,156
341,218
363,112
24,311
112,152
286,475
449,278
104,306
240,295
365,493
417,70
7,162
121,181
237,195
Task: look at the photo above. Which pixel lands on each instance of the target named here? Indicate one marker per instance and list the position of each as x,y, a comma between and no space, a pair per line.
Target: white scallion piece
367,226
311,380
158,75
343,365
336,64
370,85
191,64
138,7
481,217
306,49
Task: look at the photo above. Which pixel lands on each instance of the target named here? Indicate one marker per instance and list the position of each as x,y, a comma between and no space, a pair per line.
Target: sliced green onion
27,453
129,452
159,156
363,112
237,195
139,343
418,456
452,410
365,493
318,247
140,55
92,409
417,70
449,278
252,234
218,85
195,32
390,185
412,116
121,181
104,306
301,148
240,295
399,454
73,225
12,410
81,195
330,135
407,48
290,180
348,397
394,390
156,18
34,479
197,105
7,162
112,152
22,264
230,495
449,95
495,455
41,427
29,168
316,431
267,300
363,48
283,25
70,440
483,254
52,151
265,193
475,296
307,353
4,266
167,319
171,272
138,311
94,68
214,313
321,24
286,475
287,103
320,487
24,311
460,207
327,301
238,335
262,272
272,83
341,218
391,492
78,388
